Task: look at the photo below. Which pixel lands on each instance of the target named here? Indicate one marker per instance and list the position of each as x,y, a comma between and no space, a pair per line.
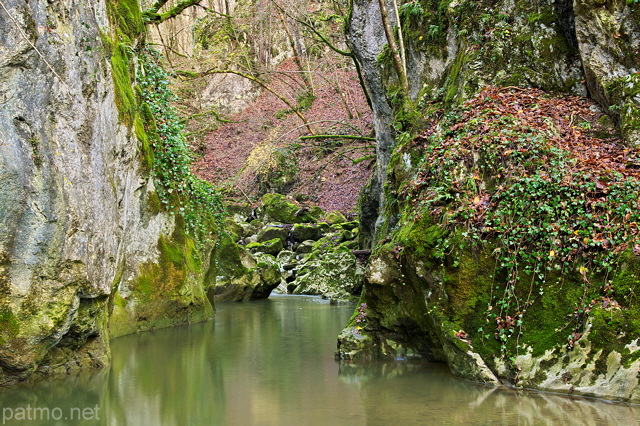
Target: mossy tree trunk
152,14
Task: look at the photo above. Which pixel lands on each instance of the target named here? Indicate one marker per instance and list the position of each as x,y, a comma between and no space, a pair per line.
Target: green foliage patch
178,189
509,179
9,326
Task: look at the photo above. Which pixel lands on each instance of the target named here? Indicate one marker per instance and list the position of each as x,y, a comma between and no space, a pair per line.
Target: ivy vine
515,174
179,190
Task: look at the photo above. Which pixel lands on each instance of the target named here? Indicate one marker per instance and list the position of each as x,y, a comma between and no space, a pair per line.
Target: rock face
608,34
444,282
78,227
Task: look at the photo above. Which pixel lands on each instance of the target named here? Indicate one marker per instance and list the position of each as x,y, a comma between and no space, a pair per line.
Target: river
271,363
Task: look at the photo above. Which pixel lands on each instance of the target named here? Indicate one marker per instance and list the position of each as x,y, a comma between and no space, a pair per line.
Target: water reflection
258,363
416,394
271,363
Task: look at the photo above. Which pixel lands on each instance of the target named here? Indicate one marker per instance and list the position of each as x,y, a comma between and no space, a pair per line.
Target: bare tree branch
295,109
331,46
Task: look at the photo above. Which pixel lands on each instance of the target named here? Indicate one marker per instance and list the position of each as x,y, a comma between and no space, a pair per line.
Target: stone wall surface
76,221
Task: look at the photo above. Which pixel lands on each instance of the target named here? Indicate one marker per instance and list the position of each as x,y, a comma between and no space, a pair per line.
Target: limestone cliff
81,230
488,251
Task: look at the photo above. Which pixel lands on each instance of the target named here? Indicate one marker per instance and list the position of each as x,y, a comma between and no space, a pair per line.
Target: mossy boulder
241,275
235,230
506,276
239,212
350,226
275,207
272,247
305,247
280,175
303,232
335,275
273,231
333,239
270,277
286,257
335,217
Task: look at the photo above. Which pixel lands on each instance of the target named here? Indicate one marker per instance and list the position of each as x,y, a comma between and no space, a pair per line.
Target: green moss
545,17
362,300
147,157
626,281
228,258
154,203
272,247
179,260
315,213
163,293
125,98
126,20
630,118
9,326
119,301
278,209
421,237
468,286
554,47
545,324
335,217
233,229
127,17
454,78
613,328
180,249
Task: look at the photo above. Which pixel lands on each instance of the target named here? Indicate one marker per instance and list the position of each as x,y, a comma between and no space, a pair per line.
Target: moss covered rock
88,247
279,175
497,263
272,247
271,231
241,275
275,207
303,232
609,41
335,275
165,293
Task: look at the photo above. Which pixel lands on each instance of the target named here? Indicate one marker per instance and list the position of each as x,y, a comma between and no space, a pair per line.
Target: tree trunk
393,47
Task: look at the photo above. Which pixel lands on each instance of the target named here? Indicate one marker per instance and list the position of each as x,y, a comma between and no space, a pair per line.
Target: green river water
271,362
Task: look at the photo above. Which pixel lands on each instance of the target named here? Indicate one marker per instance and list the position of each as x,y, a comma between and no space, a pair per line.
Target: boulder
303,232
336,275
275,207
305,247
273,231
240,275
272,247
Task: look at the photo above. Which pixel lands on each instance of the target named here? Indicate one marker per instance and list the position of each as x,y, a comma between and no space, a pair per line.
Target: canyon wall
81,230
